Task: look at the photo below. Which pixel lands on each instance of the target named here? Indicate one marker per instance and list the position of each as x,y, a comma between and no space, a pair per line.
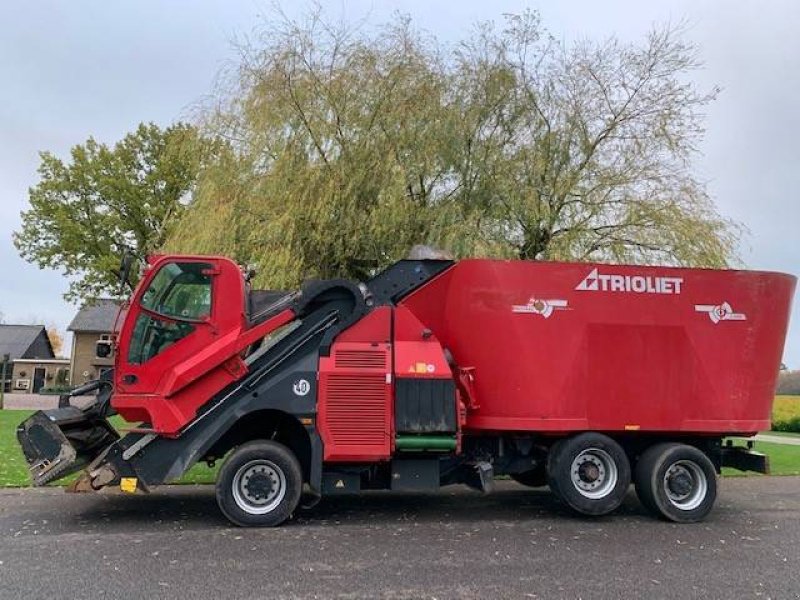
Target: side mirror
103,349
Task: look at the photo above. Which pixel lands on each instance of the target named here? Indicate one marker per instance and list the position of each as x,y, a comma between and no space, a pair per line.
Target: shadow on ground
196,507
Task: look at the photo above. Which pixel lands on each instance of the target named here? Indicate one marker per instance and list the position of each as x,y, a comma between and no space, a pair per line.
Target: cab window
180,291
177,297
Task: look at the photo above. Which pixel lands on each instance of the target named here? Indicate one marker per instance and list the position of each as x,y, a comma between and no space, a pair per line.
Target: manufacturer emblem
301,387
720,312
596,281
537,306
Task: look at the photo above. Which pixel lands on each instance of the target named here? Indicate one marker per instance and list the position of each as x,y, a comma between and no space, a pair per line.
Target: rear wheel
589,472
259,485
677,482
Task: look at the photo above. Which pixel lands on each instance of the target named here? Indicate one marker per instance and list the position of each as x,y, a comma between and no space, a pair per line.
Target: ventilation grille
361,359
357,410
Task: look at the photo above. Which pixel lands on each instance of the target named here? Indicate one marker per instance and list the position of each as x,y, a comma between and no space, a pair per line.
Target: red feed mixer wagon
581,377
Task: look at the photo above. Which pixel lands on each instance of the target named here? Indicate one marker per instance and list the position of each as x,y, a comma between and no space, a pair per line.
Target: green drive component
425,443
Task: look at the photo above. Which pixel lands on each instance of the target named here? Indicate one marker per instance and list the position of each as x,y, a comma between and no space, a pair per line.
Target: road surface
516,543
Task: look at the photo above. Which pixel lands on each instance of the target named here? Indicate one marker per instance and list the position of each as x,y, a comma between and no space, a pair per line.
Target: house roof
96,316
17,340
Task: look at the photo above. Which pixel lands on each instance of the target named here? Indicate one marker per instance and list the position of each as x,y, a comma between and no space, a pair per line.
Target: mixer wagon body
581,377
570,347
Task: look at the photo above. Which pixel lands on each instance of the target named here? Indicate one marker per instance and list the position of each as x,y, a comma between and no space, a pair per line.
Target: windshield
181,291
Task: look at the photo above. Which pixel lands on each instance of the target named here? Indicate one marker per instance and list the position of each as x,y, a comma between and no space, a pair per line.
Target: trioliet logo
637,284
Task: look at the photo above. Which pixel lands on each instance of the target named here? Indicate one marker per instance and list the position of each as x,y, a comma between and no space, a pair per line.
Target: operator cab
177,299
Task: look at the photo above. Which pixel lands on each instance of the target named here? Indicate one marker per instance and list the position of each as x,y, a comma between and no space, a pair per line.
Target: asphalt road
516,543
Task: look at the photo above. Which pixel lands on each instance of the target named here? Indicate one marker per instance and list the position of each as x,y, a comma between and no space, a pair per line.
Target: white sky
73,69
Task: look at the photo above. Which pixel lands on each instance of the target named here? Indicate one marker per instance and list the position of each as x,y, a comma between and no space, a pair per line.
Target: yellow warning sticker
128,484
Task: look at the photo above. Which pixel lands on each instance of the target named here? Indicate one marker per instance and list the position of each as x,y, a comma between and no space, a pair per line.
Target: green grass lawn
784,459
13,469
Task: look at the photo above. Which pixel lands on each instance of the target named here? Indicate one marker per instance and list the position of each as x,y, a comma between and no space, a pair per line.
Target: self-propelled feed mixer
583,377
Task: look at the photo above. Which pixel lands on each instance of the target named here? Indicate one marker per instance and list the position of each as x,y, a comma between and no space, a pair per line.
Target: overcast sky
73,69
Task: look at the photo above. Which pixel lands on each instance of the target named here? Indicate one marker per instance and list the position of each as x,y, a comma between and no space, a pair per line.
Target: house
31,362
94,321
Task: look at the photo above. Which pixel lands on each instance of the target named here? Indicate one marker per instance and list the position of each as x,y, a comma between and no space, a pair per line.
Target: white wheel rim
258,487
594,473
685,485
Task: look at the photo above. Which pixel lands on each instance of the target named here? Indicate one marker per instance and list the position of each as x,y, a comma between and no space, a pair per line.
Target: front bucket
62,441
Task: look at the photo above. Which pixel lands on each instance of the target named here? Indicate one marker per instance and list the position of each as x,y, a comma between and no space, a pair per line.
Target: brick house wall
24,372
85,363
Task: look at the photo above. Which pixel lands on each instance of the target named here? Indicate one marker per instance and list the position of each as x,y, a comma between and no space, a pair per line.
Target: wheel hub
685,485
594,473
680,483
258,486
589,472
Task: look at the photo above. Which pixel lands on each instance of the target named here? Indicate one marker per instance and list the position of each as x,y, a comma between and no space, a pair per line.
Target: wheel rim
259,486
594,473
685,485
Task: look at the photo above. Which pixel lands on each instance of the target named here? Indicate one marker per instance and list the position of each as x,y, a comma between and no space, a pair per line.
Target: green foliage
55,390
346,147
791,425
85,211
786,414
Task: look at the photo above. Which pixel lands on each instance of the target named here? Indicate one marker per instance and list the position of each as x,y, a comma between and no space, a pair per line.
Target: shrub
55,390
786,414
791,425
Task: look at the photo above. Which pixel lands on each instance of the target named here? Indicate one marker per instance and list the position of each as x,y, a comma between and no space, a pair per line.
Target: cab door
171,318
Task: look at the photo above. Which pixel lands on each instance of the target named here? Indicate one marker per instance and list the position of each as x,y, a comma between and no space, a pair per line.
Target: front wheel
677,482
590,472
259,485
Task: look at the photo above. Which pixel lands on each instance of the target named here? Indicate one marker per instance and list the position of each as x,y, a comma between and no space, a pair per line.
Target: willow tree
345,147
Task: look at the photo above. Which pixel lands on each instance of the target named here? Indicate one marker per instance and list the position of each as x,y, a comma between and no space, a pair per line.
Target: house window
62,377
107,337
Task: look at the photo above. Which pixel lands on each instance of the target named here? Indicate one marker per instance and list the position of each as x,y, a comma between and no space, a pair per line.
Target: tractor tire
534,478
676,482
259,485
590,472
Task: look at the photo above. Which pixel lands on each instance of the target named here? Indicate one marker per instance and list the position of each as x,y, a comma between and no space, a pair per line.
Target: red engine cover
355,405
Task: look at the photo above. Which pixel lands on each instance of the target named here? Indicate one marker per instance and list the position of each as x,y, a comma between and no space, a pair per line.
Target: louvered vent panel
360,359
356,409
